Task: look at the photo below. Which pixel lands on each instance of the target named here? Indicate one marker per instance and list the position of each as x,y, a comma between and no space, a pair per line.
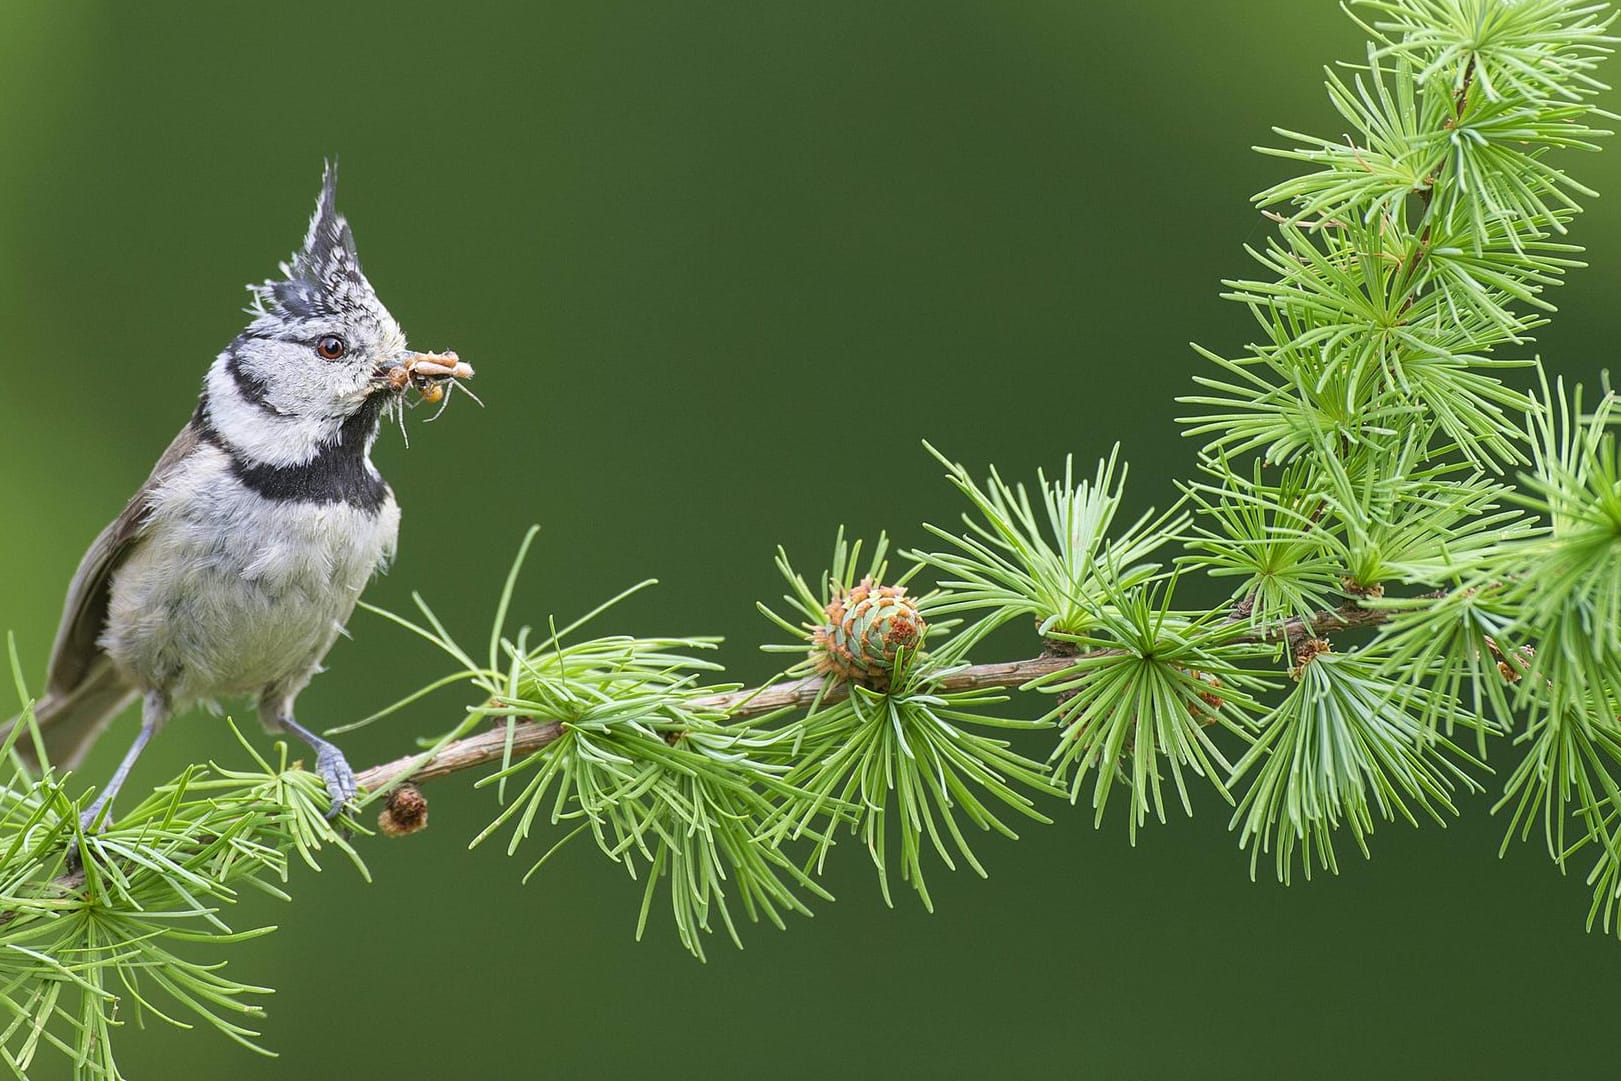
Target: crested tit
236,565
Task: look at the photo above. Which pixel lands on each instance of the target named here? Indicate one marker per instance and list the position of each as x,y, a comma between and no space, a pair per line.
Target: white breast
231,593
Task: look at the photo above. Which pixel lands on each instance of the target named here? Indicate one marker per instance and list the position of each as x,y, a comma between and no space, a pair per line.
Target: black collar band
340,472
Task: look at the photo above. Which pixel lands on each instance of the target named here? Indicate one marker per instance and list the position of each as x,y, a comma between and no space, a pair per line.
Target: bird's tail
70,722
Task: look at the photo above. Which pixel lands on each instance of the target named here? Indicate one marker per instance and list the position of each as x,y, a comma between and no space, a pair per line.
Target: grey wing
74,656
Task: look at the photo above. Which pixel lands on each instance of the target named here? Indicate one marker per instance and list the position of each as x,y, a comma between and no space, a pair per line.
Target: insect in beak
429,374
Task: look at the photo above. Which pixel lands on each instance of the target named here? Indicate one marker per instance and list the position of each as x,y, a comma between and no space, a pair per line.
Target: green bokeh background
721,267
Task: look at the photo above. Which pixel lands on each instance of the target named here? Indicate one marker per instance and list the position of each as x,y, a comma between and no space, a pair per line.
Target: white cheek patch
259,433
324,388
297,381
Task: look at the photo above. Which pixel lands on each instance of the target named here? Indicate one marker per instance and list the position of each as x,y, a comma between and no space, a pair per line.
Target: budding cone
868,627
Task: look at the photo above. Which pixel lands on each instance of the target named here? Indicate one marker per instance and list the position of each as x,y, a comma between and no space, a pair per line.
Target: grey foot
154,711
340,779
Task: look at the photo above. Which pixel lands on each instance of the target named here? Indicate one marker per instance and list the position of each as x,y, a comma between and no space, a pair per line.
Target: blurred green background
721,267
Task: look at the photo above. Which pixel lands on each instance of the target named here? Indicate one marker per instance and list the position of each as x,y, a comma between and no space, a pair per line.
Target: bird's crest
324,276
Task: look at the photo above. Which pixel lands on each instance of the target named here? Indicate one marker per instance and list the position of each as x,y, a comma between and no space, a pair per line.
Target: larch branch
527,736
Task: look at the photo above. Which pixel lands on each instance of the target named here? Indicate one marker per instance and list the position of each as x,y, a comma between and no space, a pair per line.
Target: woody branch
528,736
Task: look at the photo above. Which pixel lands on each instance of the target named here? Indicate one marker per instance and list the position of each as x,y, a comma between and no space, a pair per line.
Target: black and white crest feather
323,278
274,396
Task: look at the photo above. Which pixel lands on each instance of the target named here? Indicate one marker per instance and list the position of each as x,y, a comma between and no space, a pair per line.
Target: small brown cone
405,812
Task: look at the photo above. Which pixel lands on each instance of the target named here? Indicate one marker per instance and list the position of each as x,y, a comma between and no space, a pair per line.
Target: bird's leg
329,761
154,711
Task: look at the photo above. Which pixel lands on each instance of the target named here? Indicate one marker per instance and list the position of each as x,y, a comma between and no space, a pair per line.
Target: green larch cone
868,627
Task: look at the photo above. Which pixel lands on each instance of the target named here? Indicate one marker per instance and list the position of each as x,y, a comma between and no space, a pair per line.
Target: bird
237,564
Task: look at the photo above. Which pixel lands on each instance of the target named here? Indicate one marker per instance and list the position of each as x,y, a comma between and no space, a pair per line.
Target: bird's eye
330,347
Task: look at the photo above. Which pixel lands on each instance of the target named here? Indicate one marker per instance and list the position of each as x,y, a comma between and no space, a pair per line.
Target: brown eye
330,347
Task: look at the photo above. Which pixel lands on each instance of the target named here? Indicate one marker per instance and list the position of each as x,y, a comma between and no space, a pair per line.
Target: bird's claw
340,779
